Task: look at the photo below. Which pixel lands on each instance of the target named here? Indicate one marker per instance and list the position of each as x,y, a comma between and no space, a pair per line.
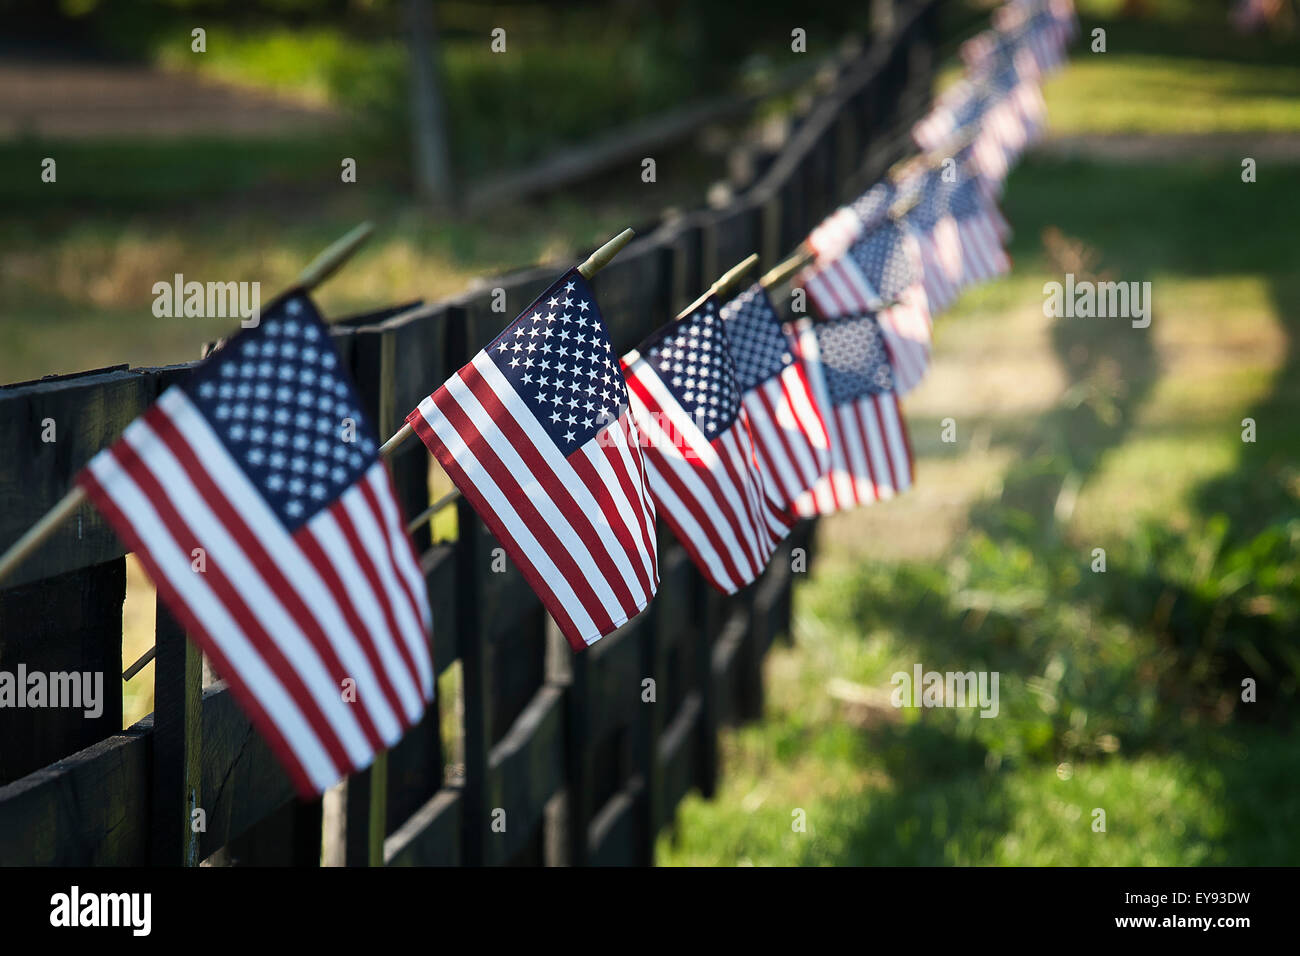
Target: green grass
1178,68
1118,691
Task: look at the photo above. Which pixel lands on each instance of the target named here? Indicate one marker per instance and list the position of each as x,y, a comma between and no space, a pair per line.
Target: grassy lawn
1119,691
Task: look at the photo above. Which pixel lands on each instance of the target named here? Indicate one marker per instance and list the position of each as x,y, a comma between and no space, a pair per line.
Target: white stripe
625,441
677,511
670,457
478,476
408,569
876,445
217,620
324,529
532,487
695,440
223,551
409,629
732,446
859,471
868,298
280,546
897,444
583,499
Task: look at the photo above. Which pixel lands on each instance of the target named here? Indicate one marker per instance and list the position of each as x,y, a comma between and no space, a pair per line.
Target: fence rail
561,759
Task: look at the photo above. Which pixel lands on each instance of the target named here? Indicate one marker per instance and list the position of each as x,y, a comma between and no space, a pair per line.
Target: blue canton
278,398
759,348
558,358
853,358
967,201
872,207
933,204
692,358
882,257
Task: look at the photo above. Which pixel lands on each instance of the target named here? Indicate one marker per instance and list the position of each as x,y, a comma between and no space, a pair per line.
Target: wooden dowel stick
432,510
784,270
320,269
329,261
37,533
139,665
602,256
390,446
724,283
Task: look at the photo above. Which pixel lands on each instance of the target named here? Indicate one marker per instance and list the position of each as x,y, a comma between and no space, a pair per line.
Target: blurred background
1119,690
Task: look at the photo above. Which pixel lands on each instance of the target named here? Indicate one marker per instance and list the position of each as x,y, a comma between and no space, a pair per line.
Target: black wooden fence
562,760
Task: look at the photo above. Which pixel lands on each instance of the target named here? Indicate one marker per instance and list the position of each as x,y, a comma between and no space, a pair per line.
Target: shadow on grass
1145,657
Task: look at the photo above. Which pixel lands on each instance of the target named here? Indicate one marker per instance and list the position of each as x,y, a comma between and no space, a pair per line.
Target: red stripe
636,552
248,542
315,554
855,415
371,573
907,442
528,514
229,596
730,443
494,524
758,405
736,523
885,445
804,384
711,531
414,558
636,449
194,628
372,501
556,489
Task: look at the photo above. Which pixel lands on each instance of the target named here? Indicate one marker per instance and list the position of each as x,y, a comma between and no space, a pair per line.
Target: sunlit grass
1123,92
1082,727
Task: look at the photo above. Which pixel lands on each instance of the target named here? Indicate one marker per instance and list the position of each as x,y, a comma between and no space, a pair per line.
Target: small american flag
699,453
871,458
843,227
253,495
790,441
932,224
887,261
983,257
535,432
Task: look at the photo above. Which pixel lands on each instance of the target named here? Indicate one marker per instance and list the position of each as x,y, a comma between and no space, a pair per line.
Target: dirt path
75,100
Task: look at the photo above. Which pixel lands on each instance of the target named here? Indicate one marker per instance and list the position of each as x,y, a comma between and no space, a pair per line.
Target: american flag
699,453
931,222
887,260
842,228
253,494
535,432
983,257
871,458
790,441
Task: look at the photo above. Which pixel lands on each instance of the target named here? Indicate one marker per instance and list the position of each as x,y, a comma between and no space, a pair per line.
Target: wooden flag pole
320,269
724,284
784,270
593,264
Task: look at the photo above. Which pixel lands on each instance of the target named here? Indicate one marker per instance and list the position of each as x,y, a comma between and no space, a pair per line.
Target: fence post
177,743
